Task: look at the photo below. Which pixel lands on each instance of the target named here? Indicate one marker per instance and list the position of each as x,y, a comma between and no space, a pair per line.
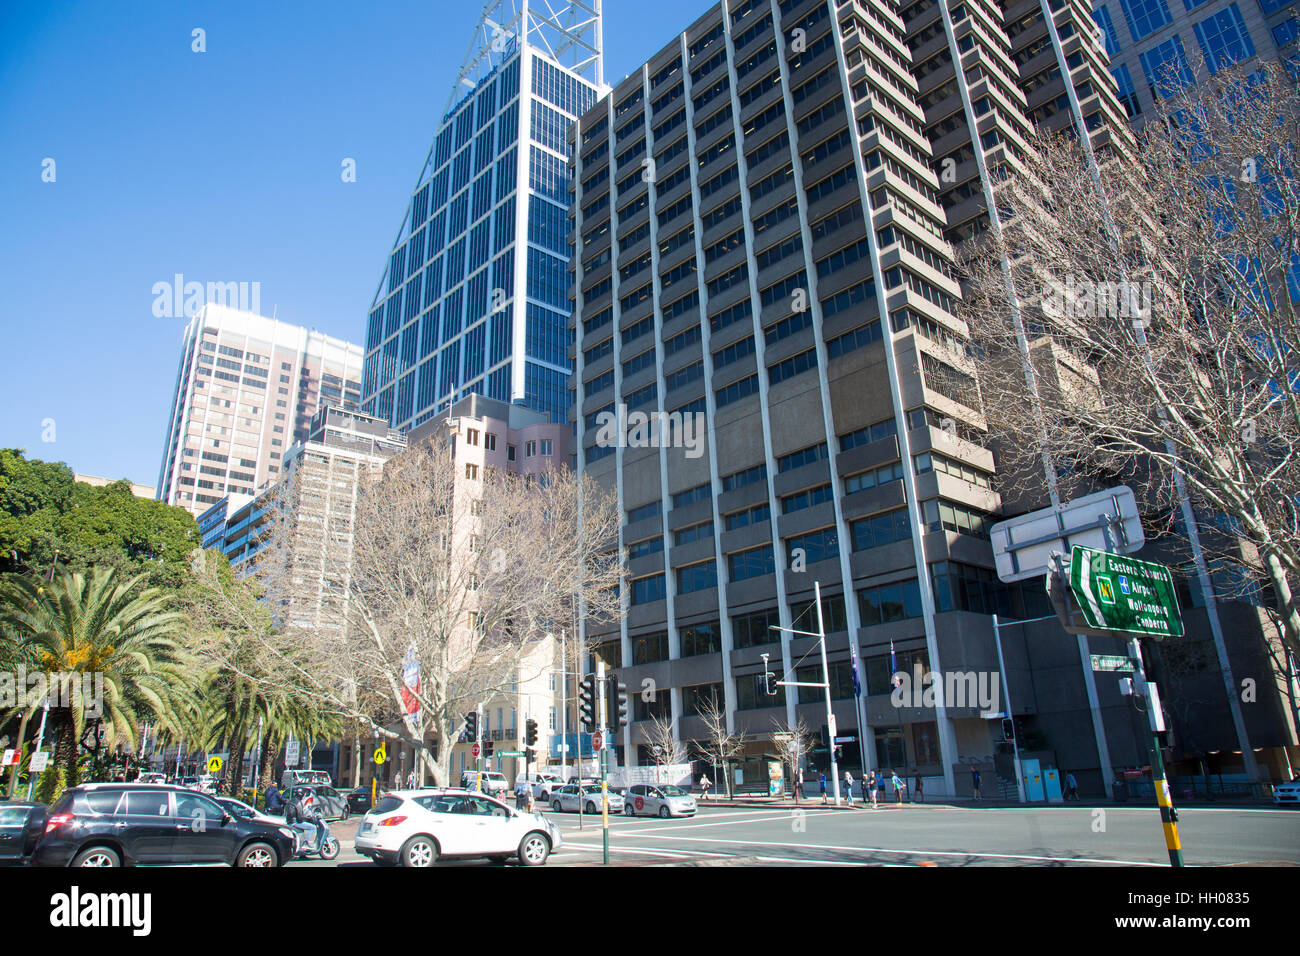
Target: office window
547,448
749,630
803,614
1125,89
530,449
752,563
1145,17
890,602
1103,19
881,529
649,648
1224,38
645,590
816,546
697,577
701,639
1166,68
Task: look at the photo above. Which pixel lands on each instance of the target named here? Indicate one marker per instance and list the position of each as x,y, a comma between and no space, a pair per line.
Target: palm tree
107,628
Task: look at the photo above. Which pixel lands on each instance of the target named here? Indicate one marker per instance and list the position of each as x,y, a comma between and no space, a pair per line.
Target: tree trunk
1287,610
266,761
235,762
67,745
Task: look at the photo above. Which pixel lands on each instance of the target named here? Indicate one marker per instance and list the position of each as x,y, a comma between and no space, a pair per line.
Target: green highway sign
1112,662
511,753
1119,593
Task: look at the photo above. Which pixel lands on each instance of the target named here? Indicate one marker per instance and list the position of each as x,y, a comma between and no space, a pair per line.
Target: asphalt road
912,835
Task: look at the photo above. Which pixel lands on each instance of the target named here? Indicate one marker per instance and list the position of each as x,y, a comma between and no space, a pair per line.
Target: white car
418,827
1287,793
151,778
568,797
664,801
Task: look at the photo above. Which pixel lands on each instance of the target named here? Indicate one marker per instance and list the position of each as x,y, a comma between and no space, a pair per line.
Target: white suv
417,827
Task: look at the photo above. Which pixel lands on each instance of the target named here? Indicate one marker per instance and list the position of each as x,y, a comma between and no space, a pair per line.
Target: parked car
122,824
151,778
21,824
359,799
333,805
419,827
1287,793
492,783
661,800
570,795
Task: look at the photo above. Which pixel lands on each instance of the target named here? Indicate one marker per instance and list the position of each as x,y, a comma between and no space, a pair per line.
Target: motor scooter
304,844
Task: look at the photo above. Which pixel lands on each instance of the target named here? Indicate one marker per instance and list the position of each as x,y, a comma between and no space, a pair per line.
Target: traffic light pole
602,722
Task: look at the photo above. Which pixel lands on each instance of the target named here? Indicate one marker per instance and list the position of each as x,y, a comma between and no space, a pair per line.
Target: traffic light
530,733
618,698
489,748
1008,729
587,701
471,727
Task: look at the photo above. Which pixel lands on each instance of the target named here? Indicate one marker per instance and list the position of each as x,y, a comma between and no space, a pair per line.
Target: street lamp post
825,684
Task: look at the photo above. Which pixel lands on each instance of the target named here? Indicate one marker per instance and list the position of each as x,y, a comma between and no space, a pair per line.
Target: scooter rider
309,813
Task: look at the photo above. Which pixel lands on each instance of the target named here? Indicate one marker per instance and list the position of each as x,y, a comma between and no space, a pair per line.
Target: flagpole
861,710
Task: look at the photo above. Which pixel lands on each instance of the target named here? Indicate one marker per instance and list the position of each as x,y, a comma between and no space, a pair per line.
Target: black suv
116,824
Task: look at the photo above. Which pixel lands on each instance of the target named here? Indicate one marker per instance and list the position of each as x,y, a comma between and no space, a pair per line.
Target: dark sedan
21,825
359,800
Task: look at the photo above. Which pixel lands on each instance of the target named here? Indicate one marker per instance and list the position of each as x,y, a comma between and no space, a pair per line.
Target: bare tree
663,743
431,589
792,744
1157,296
720,746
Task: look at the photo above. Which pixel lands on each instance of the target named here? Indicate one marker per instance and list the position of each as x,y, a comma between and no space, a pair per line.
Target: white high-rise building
246,390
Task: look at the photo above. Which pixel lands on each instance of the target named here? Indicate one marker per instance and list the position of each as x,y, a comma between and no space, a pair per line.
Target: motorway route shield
1119,593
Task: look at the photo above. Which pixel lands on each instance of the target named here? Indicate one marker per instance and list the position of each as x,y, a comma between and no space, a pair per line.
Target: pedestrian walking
522,789
848,786
920,788
705,783
821,782
897,785
1071,787
975,783
798,786
870,789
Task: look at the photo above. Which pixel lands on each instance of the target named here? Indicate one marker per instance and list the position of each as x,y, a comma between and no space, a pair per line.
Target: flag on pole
893,666
857,684
411,682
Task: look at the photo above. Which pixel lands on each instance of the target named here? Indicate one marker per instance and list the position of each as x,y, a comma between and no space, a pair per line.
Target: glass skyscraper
474,298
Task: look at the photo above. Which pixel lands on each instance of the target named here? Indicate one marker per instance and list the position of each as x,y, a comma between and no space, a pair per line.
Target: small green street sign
510,753
1118,593
1112,662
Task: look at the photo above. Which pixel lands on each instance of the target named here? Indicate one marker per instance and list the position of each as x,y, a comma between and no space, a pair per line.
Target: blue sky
222,166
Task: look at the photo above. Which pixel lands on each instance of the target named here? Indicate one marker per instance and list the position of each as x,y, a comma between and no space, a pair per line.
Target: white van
543,784
493,783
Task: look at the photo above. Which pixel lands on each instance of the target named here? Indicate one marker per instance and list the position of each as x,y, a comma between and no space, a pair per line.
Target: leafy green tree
44,512
112,628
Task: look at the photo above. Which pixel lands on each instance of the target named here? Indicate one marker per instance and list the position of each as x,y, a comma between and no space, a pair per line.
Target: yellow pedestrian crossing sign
381,753
214,765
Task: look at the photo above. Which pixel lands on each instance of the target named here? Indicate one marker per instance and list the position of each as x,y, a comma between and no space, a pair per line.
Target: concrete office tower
1142,36
474,296
788,228
246,390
